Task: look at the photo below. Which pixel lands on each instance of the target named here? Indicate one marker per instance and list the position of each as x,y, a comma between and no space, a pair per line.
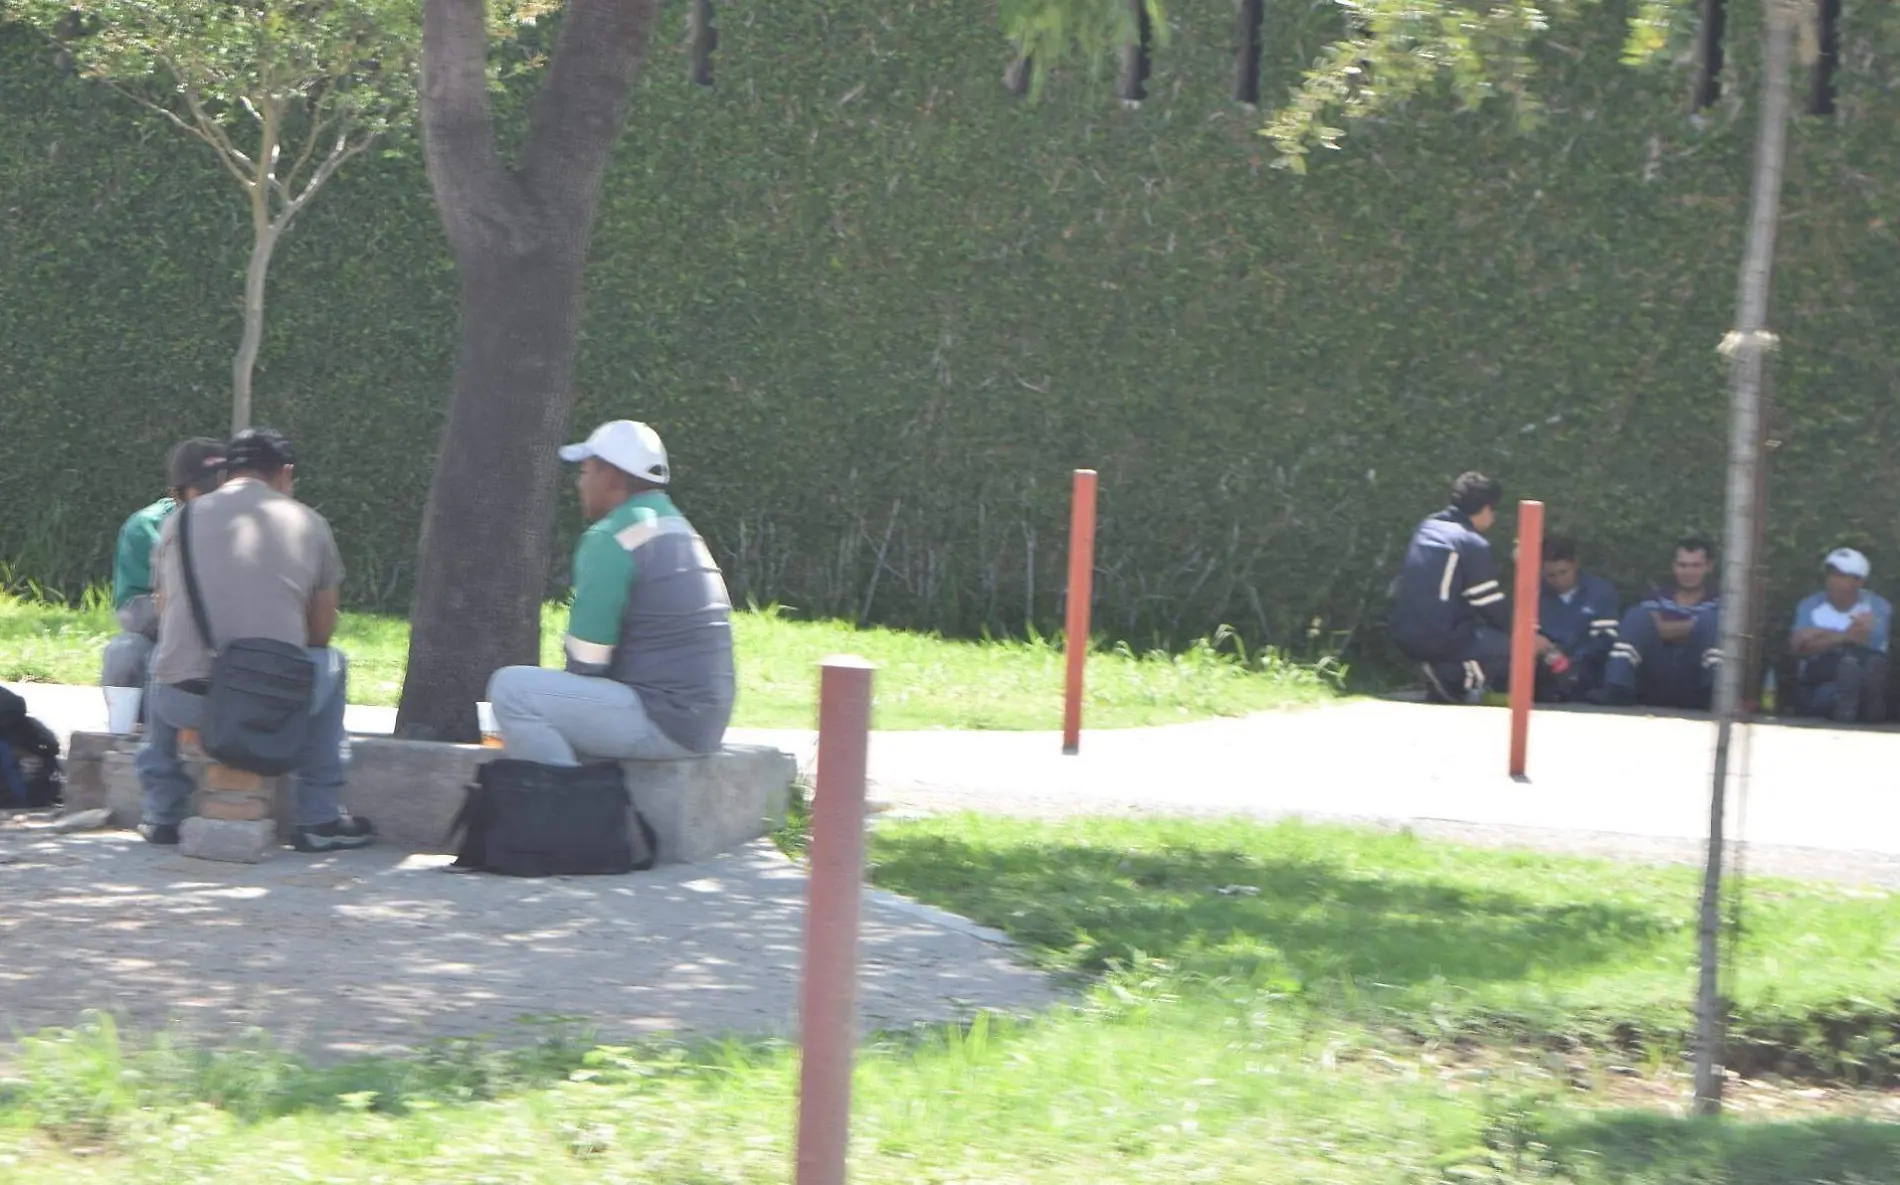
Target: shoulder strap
191,578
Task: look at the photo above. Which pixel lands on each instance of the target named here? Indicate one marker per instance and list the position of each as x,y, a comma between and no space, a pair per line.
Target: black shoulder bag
257,707
522,818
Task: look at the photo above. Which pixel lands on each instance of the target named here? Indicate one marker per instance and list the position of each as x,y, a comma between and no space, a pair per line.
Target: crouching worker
261,565
649,641
194,467
1577,611
1840,634
1450,614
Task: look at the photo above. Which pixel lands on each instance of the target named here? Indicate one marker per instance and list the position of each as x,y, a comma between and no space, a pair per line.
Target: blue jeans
320,773
556,718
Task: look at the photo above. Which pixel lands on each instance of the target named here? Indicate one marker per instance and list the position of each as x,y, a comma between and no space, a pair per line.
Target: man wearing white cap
649,639
1840,635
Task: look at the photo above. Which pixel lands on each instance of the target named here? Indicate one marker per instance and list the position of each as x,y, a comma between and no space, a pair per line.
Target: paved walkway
1599,780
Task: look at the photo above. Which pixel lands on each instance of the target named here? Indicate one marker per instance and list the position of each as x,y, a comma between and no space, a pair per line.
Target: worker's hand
1861,633
1541,645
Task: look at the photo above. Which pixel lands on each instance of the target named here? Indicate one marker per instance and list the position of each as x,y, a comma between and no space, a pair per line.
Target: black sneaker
348,831
165,835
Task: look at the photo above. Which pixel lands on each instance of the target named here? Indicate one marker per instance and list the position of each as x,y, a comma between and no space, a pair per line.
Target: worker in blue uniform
1667,648
1578,612
1450,614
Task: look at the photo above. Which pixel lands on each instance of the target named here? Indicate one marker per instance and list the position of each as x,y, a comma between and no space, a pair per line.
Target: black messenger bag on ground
522,818
258,700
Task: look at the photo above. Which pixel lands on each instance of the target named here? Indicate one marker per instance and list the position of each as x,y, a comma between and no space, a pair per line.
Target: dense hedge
880,309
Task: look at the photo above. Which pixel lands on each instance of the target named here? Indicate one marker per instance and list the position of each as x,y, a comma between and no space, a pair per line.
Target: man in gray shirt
267,567
649,671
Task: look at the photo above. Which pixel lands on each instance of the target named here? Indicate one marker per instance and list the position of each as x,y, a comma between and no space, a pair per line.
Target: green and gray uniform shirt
651,611
132,568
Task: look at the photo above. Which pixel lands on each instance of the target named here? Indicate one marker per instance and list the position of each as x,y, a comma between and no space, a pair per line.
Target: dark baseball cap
196,464
264,449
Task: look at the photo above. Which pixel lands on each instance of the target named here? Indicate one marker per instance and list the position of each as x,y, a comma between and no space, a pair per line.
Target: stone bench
412,790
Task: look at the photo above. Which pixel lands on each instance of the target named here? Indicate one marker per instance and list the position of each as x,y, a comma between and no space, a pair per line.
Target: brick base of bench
412,790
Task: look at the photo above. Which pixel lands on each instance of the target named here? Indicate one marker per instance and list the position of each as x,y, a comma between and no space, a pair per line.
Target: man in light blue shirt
1840,635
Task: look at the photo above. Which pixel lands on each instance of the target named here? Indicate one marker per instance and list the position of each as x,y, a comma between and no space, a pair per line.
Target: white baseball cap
1848,562
628,446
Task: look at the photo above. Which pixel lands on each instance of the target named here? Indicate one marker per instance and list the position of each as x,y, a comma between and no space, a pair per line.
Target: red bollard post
1081,590
828,995
1530,569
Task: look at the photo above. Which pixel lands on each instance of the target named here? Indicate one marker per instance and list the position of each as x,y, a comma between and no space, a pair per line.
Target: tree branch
579,112
234,167
285,182
339,155
215,133
478,197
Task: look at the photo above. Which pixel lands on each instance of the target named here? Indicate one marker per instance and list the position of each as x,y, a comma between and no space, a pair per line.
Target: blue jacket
1585,625
1447,587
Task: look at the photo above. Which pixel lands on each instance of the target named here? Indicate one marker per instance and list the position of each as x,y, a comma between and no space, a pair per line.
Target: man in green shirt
195,467
649,640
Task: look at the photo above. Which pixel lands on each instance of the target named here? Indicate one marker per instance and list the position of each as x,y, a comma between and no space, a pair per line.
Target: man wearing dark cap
195,467
267,567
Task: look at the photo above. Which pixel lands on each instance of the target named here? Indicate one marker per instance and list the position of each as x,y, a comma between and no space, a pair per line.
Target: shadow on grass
81,1083
1225,911
1626,1148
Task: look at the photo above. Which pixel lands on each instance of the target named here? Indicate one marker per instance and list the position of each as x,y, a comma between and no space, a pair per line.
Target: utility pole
1747,346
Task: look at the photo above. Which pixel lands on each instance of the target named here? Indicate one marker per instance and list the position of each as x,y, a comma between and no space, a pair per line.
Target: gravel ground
376,951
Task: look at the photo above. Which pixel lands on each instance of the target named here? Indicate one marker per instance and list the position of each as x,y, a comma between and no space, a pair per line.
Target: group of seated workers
1451,615
649,671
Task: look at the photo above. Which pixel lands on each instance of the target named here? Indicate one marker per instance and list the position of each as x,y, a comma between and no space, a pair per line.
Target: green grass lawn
1257,1004
923,681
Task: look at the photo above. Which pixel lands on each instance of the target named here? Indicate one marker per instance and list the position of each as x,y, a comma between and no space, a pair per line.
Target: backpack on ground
30,777
522,818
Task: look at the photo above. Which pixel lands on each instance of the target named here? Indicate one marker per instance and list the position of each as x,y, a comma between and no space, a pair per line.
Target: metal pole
1746,346
828,996
1530,563
1081,589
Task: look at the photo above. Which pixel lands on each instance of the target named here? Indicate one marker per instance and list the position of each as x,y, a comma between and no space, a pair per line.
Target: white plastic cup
485,719
122,709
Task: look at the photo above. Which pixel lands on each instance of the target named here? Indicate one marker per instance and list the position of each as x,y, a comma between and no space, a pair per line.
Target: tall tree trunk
244,365
1747,347
265,232
519,237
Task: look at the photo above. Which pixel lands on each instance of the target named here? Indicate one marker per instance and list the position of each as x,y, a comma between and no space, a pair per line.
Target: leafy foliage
1383,54
1046,32
880,307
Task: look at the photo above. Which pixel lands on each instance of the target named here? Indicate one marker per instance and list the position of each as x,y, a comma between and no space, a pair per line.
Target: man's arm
1482,591
132,561
321,617
1813,640
1606,616
603,579
321,620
